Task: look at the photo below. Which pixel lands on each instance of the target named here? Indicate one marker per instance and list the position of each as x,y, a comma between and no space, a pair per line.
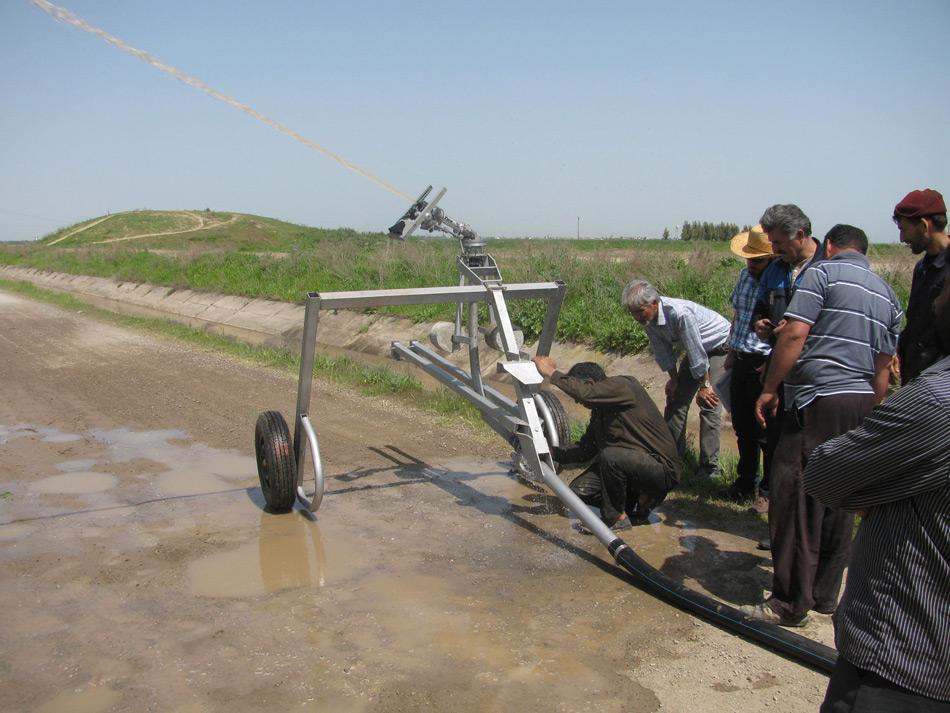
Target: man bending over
635,463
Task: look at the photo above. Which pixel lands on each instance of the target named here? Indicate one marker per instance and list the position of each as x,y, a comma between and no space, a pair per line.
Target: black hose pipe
799,647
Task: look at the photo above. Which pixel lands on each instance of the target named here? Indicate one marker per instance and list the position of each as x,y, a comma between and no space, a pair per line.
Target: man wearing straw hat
746,358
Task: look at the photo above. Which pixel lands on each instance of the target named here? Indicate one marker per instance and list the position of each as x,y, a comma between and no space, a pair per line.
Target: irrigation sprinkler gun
532,423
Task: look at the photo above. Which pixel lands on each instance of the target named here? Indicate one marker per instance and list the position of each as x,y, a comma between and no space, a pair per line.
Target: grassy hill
196,230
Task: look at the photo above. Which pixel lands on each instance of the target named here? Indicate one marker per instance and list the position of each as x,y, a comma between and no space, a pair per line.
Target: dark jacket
918,348
622,415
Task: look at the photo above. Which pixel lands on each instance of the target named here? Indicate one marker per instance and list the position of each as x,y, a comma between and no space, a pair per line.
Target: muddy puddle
440,583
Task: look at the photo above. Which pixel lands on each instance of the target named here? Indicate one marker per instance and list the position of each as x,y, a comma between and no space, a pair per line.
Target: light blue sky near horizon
625,118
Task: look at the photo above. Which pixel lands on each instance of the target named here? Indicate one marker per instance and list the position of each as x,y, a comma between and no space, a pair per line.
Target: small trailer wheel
553,417
275,461
559,417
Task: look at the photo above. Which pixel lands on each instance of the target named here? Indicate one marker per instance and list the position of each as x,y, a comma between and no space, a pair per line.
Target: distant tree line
713,232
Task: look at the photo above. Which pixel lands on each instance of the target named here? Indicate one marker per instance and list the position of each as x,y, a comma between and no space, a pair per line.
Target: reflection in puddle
288,553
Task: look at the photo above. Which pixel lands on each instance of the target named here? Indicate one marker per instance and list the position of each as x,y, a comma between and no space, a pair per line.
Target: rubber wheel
275,461
562,425
562,431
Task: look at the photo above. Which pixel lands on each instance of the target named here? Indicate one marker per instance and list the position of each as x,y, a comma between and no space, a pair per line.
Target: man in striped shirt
892,628
833,355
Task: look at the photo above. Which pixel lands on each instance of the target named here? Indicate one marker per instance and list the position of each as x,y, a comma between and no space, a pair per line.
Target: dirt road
138,570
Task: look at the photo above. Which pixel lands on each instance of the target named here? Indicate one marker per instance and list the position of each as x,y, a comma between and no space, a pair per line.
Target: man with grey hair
701,333
789,233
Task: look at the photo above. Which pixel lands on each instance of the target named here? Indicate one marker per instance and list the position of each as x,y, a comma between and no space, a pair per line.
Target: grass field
252,256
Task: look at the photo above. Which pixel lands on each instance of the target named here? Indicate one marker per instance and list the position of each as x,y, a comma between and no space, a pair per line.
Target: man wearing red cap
922,220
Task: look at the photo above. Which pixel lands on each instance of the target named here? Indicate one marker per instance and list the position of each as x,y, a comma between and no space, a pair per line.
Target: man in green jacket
634,458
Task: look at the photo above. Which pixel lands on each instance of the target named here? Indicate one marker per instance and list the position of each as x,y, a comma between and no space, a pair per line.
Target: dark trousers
745,387
810,542
852,690
616,479
773,429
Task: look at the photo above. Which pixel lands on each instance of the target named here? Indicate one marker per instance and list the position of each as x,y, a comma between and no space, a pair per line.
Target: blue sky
628,117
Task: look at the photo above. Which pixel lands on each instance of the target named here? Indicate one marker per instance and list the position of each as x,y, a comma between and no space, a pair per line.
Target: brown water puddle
287,552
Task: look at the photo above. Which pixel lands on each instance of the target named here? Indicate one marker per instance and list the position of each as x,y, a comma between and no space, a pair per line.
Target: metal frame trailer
532,423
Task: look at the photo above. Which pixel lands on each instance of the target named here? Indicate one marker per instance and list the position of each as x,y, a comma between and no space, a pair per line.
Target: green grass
260,257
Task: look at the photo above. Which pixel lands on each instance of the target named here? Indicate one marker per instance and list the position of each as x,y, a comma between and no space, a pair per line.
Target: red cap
917,204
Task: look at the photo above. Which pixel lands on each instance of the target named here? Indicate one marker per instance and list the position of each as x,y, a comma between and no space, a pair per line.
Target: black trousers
616,479
810,542
852,690
746,385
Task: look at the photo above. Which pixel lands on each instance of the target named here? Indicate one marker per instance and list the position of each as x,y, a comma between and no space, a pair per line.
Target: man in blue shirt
746,359
702,334
833,357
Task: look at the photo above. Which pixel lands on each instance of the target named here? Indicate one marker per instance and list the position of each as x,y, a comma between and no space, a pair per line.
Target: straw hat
753,243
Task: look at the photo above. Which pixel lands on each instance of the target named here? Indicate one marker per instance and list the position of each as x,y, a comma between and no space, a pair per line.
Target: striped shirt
742,299
894,617
693,328
854,316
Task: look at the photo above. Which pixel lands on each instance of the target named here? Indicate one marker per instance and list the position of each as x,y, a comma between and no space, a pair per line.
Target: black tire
275,461
562,424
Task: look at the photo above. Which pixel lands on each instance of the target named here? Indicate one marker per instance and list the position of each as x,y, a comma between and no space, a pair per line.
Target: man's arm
580,452
610,392
696,356
900,450
882,375
791,340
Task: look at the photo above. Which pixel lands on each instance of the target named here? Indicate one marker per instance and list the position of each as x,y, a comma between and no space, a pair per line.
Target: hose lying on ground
799,647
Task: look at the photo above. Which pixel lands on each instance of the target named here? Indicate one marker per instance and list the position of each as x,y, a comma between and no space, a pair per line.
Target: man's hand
766,331
670,388
766,407
707,397
895,371
546,365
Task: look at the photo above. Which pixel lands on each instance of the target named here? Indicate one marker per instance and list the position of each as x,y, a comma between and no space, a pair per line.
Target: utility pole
578,227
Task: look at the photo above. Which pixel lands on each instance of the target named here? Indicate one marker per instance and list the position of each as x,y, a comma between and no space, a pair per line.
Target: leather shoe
763,612
760,506
737,493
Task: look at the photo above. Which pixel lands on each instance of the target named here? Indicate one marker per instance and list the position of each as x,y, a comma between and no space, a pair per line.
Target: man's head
845,237
641,300
789,231
588,371
921,218
757,265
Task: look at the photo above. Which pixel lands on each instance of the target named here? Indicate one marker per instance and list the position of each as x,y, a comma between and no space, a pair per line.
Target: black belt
752,357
